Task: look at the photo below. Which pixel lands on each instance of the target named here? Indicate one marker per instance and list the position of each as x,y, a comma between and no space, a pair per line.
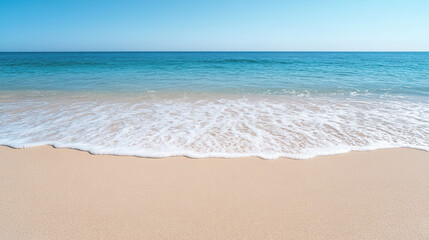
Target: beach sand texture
49,193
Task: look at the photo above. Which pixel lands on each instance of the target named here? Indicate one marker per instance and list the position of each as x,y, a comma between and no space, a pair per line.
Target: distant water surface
215,104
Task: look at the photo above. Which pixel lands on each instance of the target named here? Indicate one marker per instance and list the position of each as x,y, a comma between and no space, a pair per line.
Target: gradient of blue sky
307,25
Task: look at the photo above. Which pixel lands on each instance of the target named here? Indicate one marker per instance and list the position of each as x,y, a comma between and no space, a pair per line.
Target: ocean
215,104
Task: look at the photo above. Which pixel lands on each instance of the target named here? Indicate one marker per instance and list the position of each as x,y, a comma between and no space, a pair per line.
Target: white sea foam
265,126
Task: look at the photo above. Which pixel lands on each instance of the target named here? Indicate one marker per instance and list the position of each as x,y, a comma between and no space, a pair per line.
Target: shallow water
297,105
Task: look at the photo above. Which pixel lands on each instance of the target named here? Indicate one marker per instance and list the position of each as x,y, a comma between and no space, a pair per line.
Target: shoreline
50,193
210,157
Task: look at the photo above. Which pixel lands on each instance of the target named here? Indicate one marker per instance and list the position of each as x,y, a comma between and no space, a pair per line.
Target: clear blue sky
307,25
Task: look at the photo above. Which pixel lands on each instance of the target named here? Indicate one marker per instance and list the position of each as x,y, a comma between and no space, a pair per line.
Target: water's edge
190,156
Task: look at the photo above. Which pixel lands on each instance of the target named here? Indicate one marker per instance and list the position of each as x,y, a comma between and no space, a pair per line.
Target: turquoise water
226,104
272,73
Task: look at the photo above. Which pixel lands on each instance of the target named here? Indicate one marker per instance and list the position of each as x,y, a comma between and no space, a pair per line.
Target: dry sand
48,193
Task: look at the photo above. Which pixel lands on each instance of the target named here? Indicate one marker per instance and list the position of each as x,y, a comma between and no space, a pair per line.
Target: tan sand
48,193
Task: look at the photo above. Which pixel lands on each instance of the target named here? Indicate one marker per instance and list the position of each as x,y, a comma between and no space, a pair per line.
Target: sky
223,25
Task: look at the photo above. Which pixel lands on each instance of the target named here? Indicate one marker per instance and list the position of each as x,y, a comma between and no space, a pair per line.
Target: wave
251,61
268,127
102,150
71,63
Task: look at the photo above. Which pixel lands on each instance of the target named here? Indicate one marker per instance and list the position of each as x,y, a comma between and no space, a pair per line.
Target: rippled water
297,105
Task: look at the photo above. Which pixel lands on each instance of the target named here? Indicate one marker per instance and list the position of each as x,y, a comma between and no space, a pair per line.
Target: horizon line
220,51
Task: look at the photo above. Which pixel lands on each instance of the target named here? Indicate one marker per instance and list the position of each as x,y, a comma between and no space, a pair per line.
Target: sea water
215,104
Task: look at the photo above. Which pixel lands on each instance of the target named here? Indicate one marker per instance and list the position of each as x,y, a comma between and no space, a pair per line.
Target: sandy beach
49,193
